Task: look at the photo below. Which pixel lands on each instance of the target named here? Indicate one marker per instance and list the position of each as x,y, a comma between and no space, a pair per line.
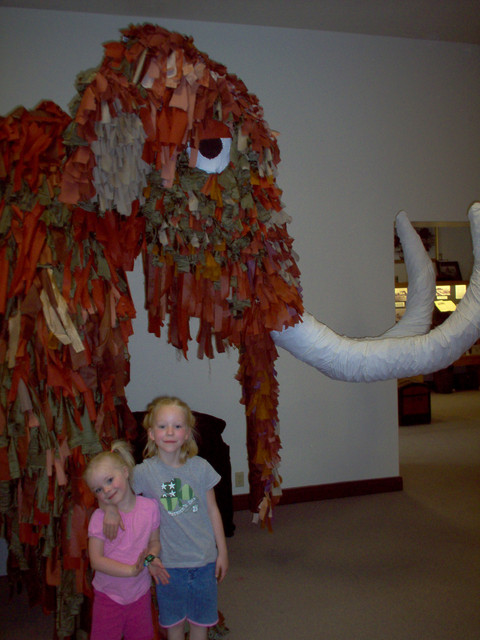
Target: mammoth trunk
257,376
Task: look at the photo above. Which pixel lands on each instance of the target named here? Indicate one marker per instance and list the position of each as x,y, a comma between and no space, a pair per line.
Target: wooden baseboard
328,491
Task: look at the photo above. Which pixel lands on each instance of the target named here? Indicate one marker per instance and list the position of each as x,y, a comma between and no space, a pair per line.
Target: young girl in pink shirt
123,567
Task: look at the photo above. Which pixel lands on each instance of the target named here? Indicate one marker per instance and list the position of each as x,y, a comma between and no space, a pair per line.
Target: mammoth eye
213,154
210,148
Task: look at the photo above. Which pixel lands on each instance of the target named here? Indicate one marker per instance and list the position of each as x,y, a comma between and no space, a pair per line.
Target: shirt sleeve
212,478
137,479
95,526
155,513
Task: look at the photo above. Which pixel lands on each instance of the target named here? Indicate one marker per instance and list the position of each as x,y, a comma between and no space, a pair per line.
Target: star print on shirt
169,489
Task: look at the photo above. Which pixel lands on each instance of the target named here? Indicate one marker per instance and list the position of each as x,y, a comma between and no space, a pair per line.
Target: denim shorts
190,595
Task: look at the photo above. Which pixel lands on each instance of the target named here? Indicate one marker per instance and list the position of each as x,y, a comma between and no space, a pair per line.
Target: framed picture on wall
448,270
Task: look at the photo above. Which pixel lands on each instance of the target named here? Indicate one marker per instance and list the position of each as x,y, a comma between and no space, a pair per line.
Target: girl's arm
156,568
111,520
217,524
109,566
154,543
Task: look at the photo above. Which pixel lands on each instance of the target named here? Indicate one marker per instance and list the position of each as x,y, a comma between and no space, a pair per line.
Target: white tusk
370,359
417,318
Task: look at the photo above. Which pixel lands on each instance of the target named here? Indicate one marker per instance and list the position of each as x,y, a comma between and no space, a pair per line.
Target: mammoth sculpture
166,155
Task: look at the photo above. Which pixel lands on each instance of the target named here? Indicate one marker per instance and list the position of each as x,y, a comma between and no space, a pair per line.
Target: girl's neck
170,459
128,502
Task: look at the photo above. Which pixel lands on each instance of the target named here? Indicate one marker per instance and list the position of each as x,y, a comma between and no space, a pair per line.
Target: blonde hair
119,455
189,447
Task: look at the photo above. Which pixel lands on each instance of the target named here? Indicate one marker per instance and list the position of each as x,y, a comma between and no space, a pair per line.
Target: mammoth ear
120,174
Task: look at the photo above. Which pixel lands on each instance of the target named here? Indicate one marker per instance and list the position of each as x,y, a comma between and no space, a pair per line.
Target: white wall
369,125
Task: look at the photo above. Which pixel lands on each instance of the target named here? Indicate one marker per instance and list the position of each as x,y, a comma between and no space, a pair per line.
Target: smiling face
169,431
109,484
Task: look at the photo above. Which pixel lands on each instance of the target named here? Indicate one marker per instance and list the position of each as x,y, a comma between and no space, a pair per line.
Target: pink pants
113,621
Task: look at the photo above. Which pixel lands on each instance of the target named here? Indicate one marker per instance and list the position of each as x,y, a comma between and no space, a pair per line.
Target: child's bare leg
177,632
198,633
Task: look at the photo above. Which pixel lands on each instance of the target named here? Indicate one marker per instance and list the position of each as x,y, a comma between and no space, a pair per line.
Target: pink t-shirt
139,524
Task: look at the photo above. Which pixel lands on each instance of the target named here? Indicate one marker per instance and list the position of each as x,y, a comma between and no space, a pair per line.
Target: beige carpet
394,566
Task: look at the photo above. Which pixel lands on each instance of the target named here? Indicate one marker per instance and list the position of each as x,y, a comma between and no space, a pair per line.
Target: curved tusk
417,318
370,359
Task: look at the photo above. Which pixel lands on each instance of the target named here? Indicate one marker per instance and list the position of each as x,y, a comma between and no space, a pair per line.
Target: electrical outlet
239,479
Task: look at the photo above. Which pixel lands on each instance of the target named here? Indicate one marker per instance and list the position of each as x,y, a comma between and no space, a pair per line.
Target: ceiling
445,20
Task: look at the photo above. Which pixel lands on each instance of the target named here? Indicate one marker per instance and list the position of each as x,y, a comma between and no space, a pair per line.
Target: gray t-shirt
186,533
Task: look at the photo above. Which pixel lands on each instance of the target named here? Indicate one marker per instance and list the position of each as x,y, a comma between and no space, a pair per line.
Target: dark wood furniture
414,405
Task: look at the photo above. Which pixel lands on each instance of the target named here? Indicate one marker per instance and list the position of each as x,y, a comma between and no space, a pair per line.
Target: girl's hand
111,521
138,567
158,571
221,567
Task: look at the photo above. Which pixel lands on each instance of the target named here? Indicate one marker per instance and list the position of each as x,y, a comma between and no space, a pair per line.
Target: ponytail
120,455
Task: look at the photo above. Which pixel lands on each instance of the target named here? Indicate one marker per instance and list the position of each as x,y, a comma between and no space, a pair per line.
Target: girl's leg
139,623
108,618
197,632
177,632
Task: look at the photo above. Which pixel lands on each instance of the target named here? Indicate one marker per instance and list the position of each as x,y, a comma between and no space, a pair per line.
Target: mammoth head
166,135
